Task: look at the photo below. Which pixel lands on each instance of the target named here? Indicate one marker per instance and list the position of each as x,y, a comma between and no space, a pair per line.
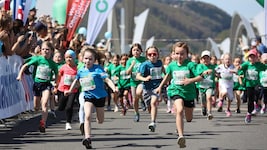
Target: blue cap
71,53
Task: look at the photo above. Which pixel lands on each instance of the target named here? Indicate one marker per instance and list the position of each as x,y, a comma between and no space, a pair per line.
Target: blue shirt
91,81
153,69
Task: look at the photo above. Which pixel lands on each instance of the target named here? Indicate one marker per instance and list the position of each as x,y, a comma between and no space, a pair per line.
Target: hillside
192,21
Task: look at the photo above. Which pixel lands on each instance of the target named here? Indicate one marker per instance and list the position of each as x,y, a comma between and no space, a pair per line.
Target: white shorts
228,90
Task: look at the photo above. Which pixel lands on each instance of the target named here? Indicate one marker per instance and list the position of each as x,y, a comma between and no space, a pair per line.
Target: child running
132,66
251,69
66,76
150,72
225,73
123,83
263,81
44,68
207,85
92,78
181,89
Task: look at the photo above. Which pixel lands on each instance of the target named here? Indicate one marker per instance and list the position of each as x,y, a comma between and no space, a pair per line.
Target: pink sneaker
228,113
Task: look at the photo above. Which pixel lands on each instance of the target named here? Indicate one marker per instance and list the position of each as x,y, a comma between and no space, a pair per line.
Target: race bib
156,73
235,78
68,79
178,76
124,76
87,83
227,76
263,79
252,75
206,83
43,72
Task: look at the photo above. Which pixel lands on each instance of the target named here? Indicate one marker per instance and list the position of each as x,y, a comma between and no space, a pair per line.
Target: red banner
75,12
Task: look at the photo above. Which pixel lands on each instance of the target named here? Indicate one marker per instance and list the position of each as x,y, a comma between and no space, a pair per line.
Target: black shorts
97,102
121,91
39,87
187,103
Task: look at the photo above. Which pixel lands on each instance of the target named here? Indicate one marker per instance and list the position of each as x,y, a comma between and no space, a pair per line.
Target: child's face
213,60
180,54
167,60
69,59
237,62
88,59
136,51
115,61
124,60
57,58
152,55
46,51
252,58
206,60
227,60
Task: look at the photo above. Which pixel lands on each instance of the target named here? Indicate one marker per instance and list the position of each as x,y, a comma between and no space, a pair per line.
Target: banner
99,10
75,12
15,96
59,11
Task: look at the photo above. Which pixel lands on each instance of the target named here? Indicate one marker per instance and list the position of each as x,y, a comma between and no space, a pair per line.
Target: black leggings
66,103
253,96
263,95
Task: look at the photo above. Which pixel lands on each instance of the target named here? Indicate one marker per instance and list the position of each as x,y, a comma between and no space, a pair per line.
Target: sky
247,8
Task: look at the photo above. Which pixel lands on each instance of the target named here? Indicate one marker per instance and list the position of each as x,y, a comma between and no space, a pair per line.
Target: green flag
261,2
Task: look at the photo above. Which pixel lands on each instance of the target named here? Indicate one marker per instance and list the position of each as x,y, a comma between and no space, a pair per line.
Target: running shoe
42,126
52,114
108,108
248,118
181,142
152,127
82,128
254,112
137,117
204,111
123,111
228,113
220,104
68,126
263,110
143,105
116,108
210,116
238,111
87,143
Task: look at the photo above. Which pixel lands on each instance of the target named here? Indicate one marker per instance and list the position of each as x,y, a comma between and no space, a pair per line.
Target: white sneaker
116,108
152,127
68,126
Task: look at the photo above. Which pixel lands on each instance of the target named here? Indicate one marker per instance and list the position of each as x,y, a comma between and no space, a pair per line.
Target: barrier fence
15,96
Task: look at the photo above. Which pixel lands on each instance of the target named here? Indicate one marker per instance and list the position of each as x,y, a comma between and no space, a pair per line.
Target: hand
186,81
18,78
66,93
148,78
158,90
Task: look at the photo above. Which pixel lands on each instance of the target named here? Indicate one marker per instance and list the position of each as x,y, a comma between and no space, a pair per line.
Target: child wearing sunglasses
150,72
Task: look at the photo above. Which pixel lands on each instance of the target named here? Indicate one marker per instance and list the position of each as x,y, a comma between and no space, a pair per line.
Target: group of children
145,78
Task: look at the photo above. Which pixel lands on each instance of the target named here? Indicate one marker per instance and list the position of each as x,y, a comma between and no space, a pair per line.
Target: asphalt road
120,132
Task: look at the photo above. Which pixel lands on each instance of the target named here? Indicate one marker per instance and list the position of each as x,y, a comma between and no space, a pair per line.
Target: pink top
68,75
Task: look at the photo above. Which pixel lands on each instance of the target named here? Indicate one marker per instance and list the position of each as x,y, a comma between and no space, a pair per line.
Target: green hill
191,21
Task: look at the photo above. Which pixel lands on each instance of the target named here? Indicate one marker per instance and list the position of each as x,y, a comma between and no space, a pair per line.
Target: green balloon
59,11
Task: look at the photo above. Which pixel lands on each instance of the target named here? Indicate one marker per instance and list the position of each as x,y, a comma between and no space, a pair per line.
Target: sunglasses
152,54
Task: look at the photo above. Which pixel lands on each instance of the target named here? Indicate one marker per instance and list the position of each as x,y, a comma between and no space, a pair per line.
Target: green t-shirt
178,73
124,79
43,68
237,85
111,70
263,77
251,72
209,80
133,81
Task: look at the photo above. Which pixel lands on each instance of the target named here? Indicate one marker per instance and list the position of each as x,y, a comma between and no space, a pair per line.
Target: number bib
87,83
263,79
155,73
43,72
252,75
124,76
68,79
178,76
206,83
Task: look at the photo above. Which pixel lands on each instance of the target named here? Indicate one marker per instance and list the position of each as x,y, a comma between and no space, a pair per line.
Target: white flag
99,10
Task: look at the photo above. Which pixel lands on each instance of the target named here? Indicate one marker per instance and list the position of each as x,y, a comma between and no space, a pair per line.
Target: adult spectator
260,47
